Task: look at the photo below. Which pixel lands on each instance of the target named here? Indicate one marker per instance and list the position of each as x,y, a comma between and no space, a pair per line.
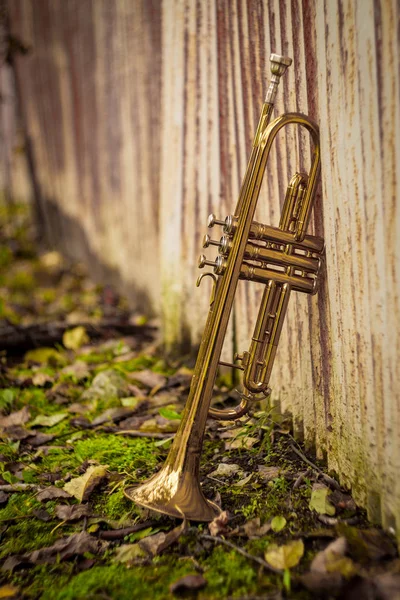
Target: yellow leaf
81,487
75,338
285,557
8,591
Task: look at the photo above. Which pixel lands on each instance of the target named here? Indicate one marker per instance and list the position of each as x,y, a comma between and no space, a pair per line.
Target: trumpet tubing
284,259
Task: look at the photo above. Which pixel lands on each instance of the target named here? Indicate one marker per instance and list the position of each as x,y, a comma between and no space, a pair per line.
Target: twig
326,478
117,534
144,434
334,520
20,487
260,561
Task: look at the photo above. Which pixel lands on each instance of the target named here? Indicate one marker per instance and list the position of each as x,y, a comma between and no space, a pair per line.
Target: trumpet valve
207,241
202,262
219,265
212,220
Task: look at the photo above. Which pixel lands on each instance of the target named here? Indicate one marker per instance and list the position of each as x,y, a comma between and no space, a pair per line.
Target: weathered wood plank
142,116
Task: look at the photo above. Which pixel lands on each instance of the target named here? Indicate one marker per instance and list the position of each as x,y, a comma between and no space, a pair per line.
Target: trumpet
284,259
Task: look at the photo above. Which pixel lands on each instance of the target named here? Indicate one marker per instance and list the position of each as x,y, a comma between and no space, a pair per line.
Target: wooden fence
141,115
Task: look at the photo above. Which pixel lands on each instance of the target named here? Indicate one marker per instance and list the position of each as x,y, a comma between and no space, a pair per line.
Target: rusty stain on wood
142,115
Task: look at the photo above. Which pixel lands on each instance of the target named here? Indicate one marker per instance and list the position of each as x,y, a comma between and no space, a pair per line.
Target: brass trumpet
283,258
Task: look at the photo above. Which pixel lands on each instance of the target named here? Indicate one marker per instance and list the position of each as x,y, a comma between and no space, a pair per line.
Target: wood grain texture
142,115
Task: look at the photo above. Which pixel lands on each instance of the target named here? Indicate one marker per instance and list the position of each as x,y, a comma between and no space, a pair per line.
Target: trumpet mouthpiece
279,64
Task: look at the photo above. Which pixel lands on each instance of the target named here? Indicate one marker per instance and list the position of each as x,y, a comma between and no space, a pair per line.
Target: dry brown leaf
149,379
337,549
218,525
20,417
246,442
155,544
225,470
254,529
82,487
190,583
40,379
129,553
78,369
65,548
268,473
113,414
51,493
72,513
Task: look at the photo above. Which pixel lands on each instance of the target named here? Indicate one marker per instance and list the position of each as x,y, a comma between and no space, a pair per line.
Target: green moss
115,506
120,454
229,574
21,281
117,581
24,532
136,364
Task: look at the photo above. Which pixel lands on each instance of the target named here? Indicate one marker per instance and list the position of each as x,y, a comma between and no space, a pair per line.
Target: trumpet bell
176,493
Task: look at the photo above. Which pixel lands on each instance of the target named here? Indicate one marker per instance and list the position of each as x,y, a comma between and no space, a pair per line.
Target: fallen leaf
189,583
128,553
39,439
333,560
132,401
243,482
79,409
159,425
149,379
20,417
51,493
65,548
107,384
16,432
40,379
268,473
113,414
9,591
336,548
319,500
155,544
48,421
218,525
44,356
254,529
3,498
170,414
241,442
278,523
225,470
286,556
72,513
82,487
42,514
78,369
75,338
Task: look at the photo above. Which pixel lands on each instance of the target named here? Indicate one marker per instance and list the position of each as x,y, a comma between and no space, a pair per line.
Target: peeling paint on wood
142,115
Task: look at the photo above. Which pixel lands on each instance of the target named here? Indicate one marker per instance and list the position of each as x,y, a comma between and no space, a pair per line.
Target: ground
89,406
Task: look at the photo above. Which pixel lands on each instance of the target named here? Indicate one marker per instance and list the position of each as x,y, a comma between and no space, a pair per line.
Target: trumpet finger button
202,262
212,220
